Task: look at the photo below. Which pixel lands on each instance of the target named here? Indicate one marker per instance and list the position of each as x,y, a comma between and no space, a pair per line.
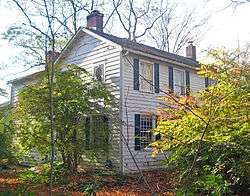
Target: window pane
146,131
179,82
146,79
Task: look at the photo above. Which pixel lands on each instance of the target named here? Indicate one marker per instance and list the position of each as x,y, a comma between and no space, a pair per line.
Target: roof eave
69,43
85,30
24,78
160,58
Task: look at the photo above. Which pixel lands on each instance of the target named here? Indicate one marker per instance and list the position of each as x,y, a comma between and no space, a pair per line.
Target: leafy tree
208,134
74,100
6,135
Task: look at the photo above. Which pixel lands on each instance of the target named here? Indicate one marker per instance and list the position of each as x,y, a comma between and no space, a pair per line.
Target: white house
137,75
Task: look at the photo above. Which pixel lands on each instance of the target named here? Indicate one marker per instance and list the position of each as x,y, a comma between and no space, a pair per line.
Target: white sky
227,27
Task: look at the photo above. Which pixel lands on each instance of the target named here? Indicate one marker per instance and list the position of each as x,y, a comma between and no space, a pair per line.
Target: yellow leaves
188,100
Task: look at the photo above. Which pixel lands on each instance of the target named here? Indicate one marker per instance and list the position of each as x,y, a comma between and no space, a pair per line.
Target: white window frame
144,147
184,81
141,77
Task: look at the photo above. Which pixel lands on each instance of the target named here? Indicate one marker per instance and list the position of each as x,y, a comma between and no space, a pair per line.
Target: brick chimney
51,57
95,20
191,51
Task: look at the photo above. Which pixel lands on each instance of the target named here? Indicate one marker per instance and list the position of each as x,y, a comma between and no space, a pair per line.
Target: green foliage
23,190
208,133
61,172
88,189
75,97
91,187
34,177
6,136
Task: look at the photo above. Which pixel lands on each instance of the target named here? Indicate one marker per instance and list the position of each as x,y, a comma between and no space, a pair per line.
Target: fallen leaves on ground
160,181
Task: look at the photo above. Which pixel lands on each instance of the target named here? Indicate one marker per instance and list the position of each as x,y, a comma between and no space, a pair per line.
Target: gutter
161,59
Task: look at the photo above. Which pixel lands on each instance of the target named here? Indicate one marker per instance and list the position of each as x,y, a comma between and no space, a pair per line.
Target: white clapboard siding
137,102
17,87
197,82
88,52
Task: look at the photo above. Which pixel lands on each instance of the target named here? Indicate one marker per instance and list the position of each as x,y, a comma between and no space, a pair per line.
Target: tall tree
75,100
240,2
132,16
6,135
28,32
46,31
176,27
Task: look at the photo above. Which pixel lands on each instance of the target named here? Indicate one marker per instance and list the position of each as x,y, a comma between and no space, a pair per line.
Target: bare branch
119,15
151,26
112,13
29,20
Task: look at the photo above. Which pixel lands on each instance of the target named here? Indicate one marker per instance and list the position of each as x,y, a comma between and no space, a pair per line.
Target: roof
4,104
25,78
126,43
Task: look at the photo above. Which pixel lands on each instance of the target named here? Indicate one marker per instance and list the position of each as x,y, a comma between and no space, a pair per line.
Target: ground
160,182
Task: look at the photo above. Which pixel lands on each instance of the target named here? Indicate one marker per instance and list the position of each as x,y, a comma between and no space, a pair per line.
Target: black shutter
206,82
171,78
137,132
187,83
87,132
156,78
158,136
136,74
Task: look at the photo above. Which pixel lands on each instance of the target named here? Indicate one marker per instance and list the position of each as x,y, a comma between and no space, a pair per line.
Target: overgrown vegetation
208,133
7,151
75,99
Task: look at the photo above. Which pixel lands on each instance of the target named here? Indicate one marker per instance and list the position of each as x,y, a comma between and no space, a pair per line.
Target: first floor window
143,131
146,130
209,82
97,131
146,76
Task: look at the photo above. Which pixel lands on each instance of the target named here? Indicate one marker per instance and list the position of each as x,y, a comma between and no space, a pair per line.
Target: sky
227,27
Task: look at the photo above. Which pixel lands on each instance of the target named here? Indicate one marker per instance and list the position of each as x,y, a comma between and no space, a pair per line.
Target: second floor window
179,81
146,76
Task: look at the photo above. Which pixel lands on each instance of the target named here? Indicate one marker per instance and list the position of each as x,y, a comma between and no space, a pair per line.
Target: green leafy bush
91,187
34,177
6,136
208,133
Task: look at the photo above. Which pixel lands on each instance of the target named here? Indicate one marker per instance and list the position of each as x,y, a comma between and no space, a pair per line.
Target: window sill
147,149
147,92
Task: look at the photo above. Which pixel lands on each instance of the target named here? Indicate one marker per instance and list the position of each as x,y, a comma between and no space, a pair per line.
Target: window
209,82
97,131
179,81
146,125
99,73
146,76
